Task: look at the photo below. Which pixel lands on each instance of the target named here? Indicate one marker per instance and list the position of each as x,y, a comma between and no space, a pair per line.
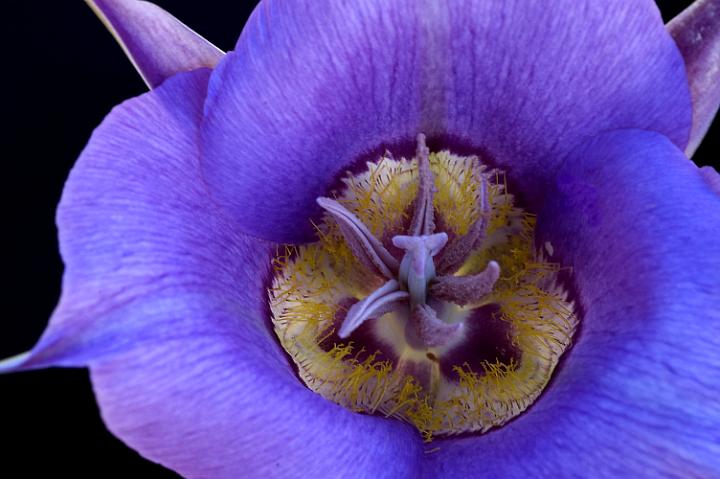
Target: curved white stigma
417,268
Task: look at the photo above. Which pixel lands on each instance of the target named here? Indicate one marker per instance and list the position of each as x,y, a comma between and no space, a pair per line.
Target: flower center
424,298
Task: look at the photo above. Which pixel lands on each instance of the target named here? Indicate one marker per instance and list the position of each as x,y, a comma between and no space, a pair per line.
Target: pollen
424,298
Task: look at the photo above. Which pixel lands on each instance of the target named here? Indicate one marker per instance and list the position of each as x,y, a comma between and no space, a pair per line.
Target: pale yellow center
314,282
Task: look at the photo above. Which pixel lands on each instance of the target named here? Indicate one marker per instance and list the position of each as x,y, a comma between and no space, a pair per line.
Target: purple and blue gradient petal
636,396
157,44
166,302
222,406
697,34
315,85
140,238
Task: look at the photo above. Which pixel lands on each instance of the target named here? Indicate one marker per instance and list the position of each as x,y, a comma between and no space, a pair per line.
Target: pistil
417,268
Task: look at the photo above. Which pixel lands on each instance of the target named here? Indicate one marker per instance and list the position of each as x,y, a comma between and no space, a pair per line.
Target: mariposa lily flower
403,239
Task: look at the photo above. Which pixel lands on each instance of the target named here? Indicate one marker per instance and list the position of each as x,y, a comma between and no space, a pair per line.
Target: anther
381,301
366,248
457,252
463,290
423,222
428,329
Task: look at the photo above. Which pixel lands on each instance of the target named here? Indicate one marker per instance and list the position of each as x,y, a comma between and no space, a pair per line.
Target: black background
64,74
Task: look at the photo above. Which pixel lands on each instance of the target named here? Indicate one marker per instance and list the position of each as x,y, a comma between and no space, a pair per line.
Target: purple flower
172,214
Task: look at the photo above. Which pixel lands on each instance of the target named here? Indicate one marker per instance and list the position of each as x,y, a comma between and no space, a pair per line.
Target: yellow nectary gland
315,283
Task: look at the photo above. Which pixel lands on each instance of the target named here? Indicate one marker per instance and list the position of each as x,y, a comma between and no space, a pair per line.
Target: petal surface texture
167,304
636,396
697,33
315,85
157,43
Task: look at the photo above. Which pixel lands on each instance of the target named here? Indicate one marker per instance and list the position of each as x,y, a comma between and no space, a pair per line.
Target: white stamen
379,302
365,246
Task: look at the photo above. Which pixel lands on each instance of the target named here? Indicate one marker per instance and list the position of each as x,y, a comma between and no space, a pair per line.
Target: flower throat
424,298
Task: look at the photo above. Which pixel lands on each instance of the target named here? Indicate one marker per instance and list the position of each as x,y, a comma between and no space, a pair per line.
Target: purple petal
157,43
141,239
712,177
225,407
697,34
167,304
636,396
14,363
317,85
